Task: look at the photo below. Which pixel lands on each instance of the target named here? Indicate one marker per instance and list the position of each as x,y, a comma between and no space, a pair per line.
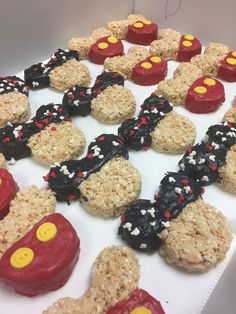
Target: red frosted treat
227,68
139,302
8,190
205,95
43,259
150,71
189,46
142,32
105,47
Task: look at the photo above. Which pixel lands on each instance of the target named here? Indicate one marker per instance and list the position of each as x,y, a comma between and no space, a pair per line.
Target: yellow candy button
200,90
231,61
47,231
189,37
112,39
155,59
138,25
146,65
141,310
22,257
234,54
147,22
209,82
187,43
102,45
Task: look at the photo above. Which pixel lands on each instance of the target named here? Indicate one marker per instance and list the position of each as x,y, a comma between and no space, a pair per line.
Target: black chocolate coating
65,178
10,84
143,220
136,132
37,75
78,99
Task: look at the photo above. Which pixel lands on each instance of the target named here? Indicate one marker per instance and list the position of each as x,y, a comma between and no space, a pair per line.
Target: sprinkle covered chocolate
10,84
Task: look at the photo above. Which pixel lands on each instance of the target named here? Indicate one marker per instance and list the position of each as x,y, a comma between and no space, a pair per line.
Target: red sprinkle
156,196
45,178
6,139
122,218
53,128
53,174
167,214
180,199
210,147
82,94
38,125
101,138
71,96
229,125
89,155
184,181
189,150
80,174
131,133
71,197
49,114
213,167
146,147
59,109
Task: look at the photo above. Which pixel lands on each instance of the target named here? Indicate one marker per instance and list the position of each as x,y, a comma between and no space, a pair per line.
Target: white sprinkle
9,124
201,161
219,133
143,246
146,111
143,212
162,114
154,110
224,139
35,84
171,179
62,118
1,85
55,107
1,90
12,161
166,224
178,190
152,212
15,133
192,162
215,145
212,157
101,156
8,87
88,92
127,226
187,188
182,166
114,143
135,232
152,223
71,175
19,127
193,153
205,178
231,134
76,103
142,140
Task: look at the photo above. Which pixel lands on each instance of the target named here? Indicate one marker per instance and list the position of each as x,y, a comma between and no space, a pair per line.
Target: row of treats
177,222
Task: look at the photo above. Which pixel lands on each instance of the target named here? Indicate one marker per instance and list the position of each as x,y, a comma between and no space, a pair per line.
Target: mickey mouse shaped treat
62,71
43,137
104,181
188,232
171,45
114,288
14,103
107,101
105,47
8,190
142,32
43,259
227,67
159,127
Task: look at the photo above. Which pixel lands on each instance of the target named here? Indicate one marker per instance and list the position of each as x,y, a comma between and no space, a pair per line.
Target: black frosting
10,84
64,179
14,137
37,75
143,220
202,161
136,132
78,99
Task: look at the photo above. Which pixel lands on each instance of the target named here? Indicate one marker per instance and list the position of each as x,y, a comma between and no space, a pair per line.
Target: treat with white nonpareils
62,71
14,103
159,127
114,286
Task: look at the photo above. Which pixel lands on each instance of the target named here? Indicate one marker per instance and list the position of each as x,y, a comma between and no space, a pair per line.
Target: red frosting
139,298
149,76
52,263
142,36
98,55
205,102
227,71
189,46
8,190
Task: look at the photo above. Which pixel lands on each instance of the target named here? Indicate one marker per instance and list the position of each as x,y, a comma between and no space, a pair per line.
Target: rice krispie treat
14,103
27,208
57,142
159,127
213,160
62,71
38,256
107,192
8,190
230,115
2,161
171,45
198,239
113,105
189,233
104,181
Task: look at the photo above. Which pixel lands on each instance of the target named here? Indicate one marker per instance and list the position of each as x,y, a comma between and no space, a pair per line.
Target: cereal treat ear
227,172
198,239
14,103
2,161
46,256
230,115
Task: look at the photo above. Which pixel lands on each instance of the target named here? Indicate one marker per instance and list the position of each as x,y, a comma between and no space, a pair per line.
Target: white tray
179,292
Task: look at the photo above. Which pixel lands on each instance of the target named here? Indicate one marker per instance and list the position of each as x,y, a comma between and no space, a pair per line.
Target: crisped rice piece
228,172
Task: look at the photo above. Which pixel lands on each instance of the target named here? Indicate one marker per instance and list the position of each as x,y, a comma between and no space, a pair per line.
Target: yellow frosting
147,22
231,61
200,90
146,65
155,59
187,43
46,232
112,39
102,45
138,25
189,37
209,81
22,257
141,310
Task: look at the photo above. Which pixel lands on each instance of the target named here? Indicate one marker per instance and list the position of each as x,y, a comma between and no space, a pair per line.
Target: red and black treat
43,259
9,84
37,76
150,71
8,190
227,67
143,220
105,47
202,161
189,46
142,32
14,137
136,132
65,178
205,95
139,300
78,99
